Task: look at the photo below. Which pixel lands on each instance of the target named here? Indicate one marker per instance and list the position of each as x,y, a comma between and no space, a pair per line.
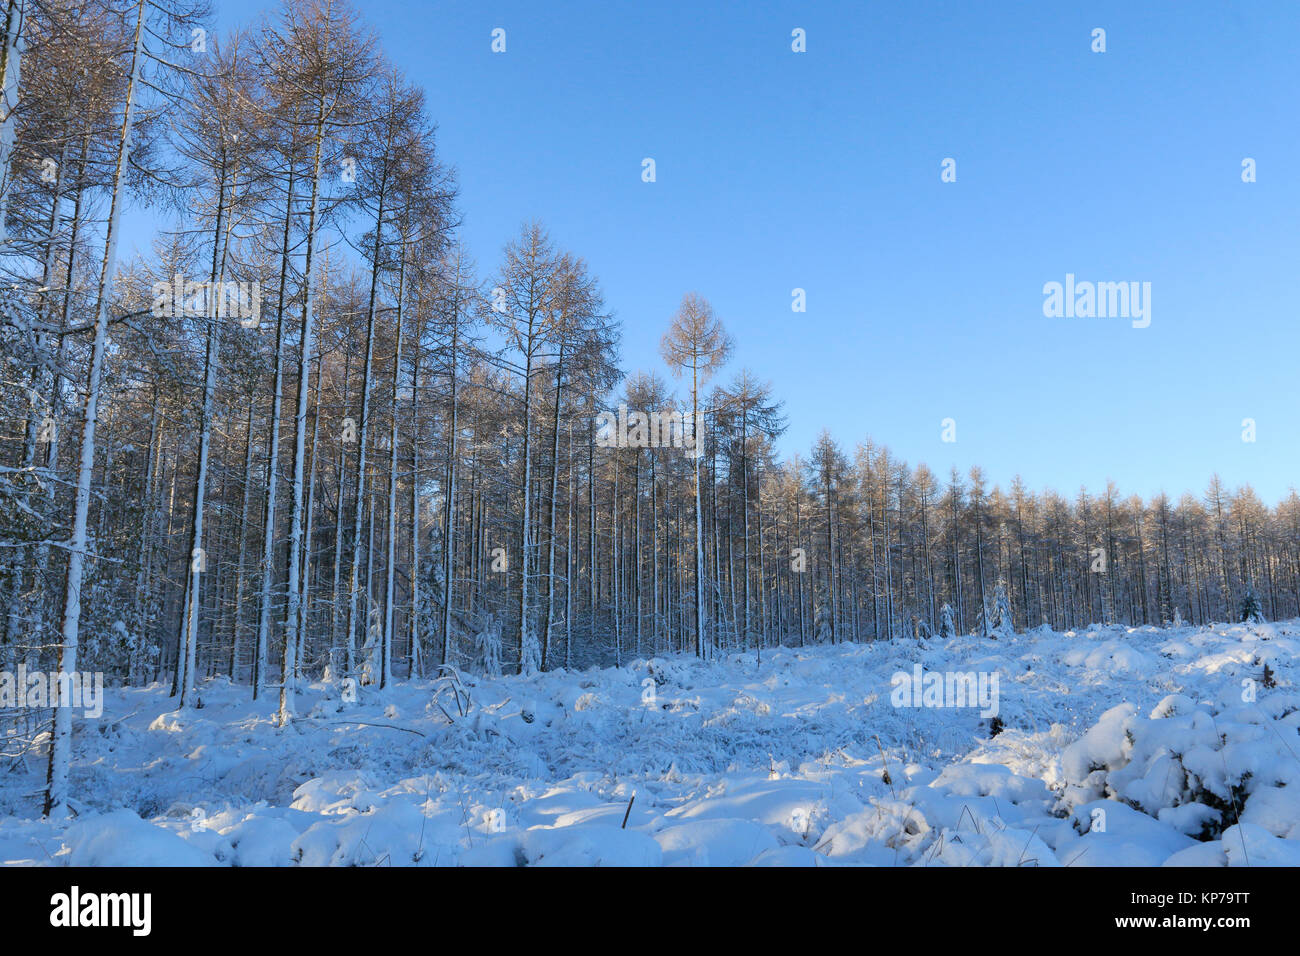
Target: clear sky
821,170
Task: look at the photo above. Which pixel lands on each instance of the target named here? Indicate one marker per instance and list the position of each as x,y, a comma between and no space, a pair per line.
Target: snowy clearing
1121,746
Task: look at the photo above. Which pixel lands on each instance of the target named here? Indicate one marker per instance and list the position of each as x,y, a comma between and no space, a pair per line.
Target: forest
308,434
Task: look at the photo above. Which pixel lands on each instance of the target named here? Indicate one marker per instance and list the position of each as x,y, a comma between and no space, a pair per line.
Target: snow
1121,747
121,838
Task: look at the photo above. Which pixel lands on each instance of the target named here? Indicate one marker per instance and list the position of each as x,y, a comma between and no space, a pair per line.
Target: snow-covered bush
1197,767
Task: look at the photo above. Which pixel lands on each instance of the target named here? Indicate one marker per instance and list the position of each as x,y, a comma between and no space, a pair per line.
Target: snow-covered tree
1250,611
1001,623
947,628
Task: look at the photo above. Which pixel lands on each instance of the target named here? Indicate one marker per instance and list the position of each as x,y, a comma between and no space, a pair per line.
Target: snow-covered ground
1118,747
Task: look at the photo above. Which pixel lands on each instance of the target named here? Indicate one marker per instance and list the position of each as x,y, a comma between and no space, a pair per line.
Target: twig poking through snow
888,779
362,723
628,812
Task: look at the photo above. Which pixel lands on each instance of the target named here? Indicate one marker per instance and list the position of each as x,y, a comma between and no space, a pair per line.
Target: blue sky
821,170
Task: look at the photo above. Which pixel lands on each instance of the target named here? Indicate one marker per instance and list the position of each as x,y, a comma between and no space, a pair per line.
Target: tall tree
696,341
